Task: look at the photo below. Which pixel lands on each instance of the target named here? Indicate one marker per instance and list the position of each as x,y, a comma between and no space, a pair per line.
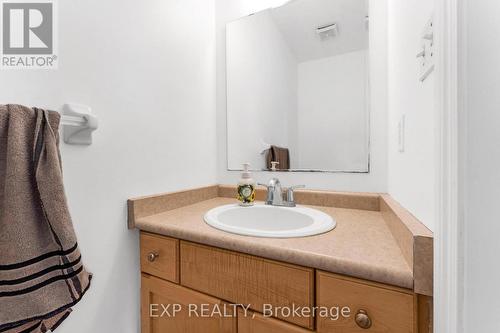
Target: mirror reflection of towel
280,155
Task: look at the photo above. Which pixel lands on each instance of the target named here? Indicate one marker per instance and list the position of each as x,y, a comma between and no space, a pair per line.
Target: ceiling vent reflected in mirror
327,31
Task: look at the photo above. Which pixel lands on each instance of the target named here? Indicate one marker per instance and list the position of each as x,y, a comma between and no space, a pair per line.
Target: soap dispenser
246,187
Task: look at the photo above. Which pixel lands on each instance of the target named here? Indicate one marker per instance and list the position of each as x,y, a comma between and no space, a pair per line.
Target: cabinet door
253,322
373,307
169,308
245,279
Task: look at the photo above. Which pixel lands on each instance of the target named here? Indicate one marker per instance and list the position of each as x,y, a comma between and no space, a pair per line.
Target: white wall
481,154
333,107
147,70
262,78
229,10
411,174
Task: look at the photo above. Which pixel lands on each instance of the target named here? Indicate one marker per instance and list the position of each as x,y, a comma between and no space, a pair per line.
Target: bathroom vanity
372,273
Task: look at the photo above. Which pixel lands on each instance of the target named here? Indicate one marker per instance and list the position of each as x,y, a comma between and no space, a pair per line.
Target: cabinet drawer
390,310
168,307
160,256
240,278
256,323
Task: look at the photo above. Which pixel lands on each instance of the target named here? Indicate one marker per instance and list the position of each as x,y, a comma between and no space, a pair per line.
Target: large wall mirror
298,87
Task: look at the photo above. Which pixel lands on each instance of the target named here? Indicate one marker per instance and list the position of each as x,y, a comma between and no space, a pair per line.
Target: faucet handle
289,192
272,183
269,198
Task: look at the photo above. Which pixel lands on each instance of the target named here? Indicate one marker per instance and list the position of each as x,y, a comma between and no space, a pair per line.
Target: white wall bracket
78,123
426,55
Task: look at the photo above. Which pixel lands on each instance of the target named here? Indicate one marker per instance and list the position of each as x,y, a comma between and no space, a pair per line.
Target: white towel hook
78,123
264,146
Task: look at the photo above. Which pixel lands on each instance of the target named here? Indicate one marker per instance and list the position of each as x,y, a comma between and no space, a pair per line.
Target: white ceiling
298,19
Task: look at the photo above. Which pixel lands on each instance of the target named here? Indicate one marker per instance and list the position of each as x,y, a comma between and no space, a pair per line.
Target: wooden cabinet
246,279
186,275
253,322
169,308
160,256
373,307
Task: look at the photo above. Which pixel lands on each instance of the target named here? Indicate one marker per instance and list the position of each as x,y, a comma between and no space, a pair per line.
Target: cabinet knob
152,256
363,320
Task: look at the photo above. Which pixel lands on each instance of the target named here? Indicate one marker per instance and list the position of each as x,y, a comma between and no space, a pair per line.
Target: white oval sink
270,221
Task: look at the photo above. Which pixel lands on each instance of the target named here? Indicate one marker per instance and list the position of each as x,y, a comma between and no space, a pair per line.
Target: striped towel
41,272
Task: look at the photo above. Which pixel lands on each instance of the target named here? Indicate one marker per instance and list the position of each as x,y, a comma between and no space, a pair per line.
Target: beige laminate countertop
361,245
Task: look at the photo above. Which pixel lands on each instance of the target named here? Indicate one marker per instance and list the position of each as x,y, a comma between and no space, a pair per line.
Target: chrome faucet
275,193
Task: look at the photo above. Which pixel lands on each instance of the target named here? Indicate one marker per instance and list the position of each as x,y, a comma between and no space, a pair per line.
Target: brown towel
278,154
41,272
